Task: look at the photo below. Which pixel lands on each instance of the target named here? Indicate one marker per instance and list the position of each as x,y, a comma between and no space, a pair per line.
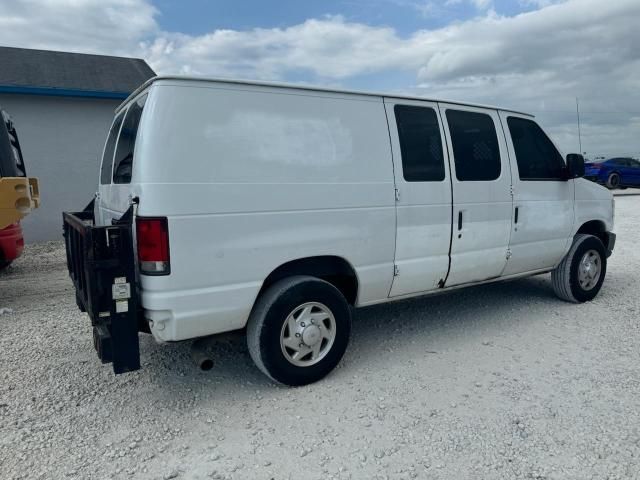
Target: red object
153,245
11,243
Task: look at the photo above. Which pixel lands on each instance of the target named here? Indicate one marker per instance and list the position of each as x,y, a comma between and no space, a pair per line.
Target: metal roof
308,88
45,72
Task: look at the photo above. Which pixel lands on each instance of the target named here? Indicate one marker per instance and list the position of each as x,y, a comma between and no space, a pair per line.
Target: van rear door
423,205
106,167
115,196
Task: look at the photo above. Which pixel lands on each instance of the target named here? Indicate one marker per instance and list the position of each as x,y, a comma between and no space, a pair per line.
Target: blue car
614,172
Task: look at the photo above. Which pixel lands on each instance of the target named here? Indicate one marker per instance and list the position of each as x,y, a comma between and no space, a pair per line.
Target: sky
531,55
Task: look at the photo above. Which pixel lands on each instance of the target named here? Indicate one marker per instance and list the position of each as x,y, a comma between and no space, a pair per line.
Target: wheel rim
589,270
308,334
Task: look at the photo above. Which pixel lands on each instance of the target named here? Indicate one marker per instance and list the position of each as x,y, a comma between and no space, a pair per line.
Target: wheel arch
333,269
596,228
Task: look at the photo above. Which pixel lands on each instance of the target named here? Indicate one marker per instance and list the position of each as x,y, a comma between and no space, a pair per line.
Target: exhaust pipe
200,356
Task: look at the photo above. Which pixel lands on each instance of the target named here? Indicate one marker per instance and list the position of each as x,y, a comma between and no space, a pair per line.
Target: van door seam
444,282
395,203
511,190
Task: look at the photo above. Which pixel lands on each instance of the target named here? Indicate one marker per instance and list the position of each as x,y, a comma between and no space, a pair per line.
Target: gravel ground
498,381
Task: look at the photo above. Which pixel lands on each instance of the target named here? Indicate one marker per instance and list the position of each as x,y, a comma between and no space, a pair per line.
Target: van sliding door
482,203
423,206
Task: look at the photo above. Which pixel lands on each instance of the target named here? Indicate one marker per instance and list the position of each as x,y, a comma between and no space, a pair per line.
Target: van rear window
475,146
109,148
123,161
420,144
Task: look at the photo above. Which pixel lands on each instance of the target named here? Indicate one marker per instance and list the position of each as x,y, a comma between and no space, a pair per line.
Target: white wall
61,139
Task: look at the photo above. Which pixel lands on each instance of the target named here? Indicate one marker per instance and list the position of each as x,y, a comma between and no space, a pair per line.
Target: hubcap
308,334
589,270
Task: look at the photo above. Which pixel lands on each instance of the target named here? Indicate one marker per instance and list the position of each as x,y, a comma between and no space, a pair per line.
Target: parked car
19,194
614,173
225,205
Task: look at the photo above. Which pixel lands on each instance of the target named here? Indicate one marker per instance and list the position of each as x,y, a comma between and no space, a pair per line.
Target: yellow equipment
19,194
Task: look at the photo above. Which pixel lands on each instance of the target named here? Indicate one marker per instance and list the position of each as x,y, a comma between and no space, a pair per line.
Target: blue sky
530,55
406,16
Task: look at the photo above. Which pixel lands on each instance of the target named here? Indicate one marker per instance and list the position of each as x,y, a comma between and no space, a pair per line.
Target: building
62,105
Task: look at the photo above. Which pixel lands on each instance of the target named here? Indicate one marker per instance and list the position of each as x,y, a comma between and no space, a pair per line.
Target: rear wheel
299,330
613,181
579,276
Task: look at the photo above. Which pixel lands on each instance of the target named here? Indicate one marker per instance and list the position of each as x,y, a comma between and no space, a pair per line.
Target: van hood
588,190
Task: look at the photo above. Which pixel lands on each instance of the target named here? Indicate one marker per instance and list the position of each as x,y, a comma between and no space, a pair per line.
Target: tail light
153,245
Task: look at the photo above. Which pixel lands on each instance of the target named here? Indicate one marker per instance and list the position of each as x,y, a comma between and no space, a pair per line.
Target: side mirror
575,166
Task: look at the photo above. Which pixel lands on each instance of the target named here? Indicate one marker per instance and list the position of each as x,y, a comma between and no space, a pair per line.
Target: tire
613,181
4,264
278,320
566,277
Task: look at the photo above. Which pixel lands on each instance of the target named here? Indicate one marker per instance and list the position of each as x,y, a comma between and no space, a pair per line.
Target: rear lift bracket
101,264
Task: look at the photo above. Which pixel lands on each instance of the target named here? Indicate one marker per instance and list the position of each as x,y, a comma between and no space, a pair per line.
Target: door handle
515,219
460,220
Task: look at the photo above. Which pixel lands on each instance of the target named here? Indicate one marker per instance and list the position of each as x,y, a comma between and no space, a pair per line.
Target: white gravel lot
493,382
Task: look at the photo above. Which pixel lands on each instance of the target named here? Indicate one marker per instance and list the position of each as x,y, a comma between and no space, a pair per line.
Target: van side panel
250,178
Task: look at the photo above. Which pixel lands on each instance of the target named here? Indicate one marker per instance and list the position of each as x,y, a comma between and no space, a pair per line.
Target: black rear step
101,265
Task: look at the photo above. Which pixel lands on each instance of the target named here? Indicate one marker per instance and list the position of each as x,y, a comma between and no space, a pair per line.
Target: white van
277,208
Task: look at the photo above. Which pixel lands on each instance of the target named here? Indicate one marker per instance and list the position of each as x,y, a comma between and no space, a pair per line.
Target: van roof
302,87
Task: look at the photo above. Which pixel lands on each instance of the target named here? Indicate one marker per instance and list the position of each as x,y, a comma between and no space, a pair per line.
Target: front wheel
579,276
299,330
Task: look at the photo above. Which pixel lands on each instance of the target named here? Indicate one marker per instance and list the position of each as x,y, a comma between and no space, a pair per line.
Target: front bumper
11,242
610,242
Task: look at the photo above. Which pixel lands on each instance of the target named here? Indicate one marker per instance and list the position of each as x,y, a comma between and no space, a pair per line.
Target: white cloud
539,61
97,26
329,48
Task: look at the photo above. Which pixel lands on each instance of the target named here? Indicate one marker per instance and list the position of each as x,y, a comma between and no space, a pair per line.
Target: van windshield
123,160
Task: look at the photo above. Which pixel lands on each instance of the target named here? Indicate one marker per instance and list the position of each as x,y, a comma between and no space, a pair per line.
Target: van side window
537,157
110,146
420,144
475,145
123,163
